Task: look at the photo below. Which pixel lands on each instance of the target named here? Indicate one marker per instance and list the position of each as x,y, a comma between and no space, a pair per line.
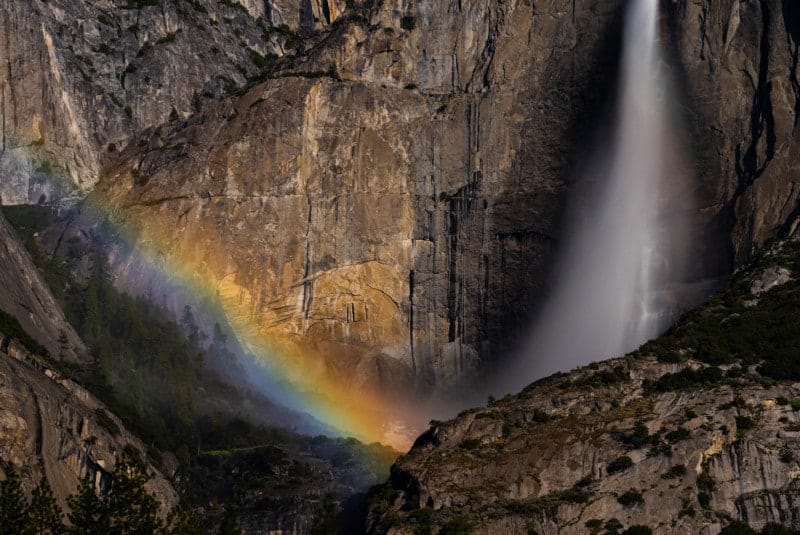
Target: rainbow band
281,363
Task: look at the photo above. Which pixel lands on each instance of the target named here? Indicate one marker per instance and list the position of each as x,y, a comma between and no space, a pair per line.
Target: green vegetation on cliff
737,326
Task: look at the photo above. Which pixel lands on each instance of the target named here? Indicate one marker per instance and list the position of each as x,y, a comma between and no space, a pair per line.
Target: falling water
611,289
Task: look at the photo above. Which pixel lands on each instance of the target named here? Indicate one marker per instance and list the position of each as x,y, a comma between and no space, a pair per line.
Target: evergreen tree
13,505
181,522
132,510
327,521
44,515
87,511
229,524
190,326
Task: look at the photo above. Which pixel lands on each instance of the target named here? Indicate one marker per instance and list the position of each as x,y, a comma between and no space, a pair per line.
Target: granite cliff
378,186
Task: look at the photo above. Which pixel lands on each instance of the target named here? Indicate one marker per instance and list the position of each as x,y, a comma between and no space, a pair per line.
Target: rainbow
279,362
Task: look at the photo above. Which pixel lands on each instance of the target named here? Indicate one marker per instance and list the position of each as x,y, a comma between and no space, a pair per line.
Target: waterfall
611,290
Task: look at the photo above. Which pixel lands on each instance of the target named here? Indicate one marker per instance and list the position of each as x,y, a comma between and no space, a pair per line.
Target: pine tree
13,505
132,509
87,511
327,521
181,522
229,524
44,515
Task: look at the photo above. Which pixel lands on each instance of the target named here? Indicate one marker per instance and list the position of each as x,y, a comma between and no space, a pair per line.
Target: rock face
739,67
384,197
52,427
377,217
26,297
80,78
561,456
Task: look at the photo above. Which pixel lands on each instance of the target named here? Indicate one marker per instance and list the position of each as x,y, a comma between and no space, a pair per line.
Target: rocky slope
52,427
559,459
26,297
679,440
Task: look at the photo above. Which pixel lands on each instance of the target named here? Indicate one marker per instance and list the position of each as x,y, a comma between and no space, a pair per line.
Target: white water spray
611,290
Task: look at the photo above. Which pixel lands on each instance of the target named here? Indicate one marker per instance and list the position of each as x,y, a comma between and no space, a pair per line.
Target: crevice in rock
411,320
762,121
308,284
791,19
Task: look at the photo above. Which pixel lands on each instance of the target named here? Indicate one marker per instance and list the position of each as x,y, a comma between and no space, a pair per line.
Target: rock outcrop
374,216
26,297
52,427
566,455
738,65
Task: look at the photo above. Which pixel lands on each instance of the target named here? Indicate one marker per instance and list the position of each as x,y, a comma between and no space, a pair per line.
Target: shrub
687,509
540,417
9,326
670,357
737,402
743,424
143,49
616,375
638,530
630,498
706,483
169,38
470,444
457,526
776,529
619,464
676,471
106,422
688,379
594,523
737,528
795,404
677,435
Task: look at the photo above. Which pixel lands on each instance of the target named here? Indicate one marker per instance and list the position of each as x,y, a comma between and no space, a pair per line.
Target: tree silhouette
13,505
44,515
132,510
181,522
229,524
87,511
